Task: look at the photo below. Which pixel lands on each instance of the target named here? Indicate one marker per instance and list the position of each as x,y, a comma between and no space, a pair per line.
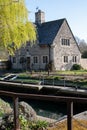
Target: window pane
65,42
74,59
65,59
35,59
14,59
45,59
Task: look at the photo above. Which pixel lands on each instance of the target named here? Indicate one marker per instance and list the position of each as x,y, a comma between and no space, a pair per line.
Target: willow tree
15,28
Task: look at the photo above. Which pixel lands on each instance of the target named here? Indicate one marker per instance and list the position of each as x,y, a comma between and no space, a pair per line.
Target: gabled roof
48,30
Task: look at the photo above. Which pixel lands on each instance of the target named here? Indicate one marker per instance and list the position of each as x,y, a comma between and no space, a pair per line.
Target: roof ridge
54,20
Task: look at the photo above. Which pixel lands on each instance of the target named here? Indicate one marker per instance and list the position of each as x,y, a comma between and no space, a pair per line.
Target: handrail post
16,113
69,115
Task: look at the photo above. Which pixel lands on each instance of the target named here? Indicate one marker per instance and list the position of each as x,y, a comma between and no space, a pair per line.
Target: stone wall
83,62
57,52
62,50
32,51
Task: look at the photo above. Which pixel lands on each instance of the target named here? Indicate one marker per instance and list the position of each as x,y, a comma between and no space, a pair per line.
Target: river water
51,109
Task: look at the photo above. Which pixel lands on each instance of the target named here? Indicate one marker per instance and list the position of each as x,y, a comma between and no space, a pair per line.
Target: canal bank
49,109
45,108
42,89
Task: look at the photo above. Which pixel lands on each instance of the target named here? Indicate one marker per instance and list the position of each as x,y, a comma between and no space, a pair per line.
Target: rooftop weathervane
37,8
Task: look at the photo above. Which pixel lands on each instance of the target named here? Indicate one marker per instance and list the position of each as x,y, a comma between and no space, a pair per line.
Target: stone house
55,44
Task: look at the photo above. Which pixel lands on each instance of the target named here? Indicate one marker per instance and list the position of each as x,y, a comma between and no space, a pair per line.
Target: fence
83,62
68,100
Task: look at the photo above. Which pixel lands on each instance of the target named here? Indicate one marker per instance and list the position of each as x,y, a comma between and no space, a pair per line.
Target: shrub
38,125
32,125
76,67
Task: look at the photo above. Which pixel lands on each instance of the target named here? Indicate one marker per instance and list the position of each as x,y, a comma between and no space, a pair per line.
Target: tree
15,28
83,47
82,44
84,54
3,54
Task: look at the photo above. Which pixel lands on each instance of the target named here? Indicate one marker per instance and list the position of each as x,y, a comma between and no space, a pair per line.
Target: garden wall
83,63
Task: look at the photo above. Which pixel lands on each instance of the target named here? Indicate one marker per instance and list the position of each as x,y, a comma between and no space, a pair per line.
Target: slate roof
48,30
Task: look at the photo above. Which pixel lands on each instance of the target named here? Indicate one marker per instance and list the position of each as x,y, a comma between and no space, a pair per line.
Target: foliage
24,123
15,29
52,77
24,75
31,81
38,125
3,54
76,67
1,113
82,44
84,54
50,66
3,106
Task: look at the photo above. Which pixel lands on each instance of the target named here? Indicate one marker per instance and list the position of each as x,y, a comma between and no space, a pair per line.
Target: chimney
39,17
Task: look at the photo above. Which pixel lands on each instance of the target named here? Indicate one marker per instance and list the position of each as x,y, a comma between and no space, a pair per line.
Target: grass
31,81
74,72
56,79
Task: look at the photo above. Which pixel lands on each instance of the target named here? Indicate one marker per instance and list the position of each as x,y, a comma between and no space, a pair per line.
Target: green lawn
75,72
55,79
31,81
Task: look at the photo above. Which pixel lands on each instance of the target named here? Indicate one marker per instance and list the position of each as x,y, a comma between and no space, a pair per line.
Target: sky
75,11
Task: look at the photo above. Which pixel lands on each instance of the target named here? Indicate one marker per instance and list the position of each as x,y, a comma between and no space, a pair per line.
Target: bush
84,54
76,67
32,125
38,125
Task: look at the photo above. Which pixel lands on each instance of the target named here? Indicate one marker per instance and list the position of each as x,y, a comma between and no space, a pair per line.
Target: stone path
46,119
81,116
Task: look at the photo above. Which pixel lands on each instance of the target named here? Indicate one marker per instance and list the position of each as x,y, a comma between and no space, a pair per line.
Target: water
51,109
44,108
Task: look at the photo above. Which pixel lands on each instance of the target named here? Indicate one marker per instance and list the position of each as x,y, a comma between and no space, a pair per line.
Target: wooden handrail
44,97
68,100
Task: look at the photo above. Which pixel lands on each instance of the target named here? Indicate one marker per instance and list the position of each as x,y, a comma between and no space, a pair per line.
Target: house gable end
72,35
63,34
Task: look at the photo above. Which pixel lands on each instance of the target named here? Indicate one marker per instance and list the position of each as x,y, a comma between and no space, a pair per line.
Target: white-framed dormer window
35,59
65,42
45,59
74,59
65,59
